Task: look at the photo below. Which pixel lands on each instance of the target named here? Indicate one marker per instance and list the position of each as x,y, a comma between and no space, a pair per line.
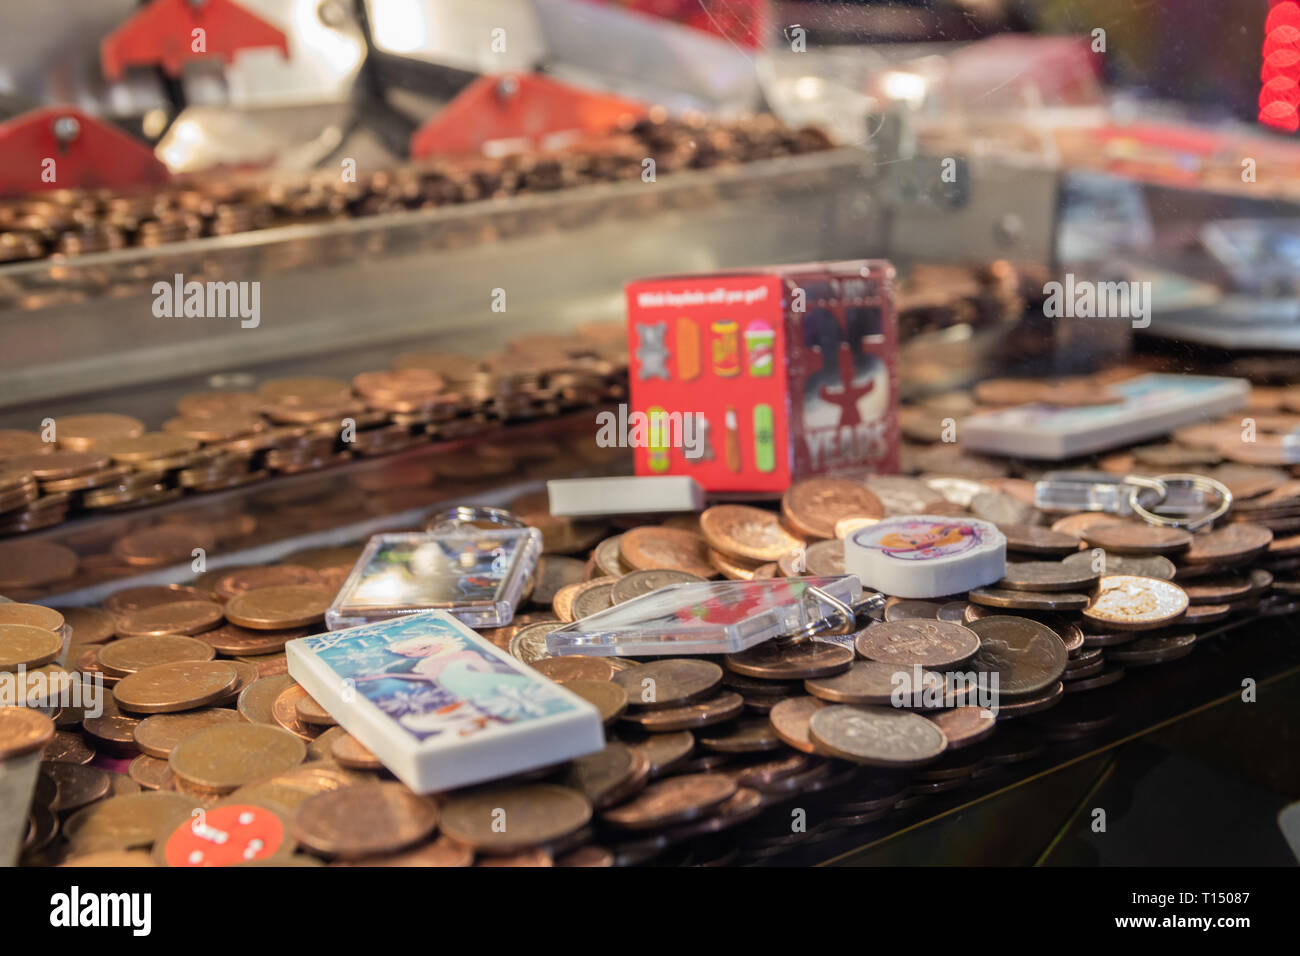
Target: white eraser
926,556
578,497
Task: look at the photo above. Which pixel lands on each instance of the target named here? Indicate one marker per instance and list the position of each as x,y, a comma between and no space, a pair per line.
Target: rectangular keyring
1074,491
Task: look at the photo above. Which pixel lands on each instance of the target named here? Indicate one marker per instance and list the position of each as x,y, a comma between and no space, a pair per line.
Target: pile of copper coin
731,750
70,223
226,439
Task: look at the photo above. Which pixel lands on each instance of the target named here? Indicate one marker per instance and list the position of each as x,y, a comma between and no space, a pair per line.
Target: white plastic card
441,706
709,617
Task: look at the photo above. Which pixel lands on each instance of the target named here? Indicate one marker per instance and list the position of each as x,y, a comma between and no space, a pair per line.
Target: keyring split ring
843,615
1200,483
473,515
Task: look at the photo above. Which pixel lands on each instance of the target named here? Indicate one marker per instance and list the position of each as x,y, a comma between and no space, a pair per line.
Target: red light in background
1279,96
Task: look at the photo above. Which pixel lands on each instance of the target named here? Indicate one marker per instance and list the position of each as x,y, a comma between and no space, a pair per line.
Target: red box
792,368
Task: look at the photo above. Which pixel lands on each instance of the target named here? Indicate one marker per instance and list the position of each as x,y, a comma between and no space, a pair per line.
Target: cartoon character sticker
919,539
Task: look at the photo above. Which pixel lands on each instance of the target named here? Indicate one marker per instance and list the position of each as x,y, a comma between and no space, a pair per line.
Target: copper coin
1234,542
1026,656
744,736
127,822
964,726
668,683
1028,600
350,752
33,564
148,772
257,700
647,548
790,719
917,643
775,660
33,615
168,688
1126,537
68,747
636,583
179,617
715,710
1217,590
813,506
574,667
158,734
310,712
84,432
283,575
23,731
136,599
674,800
592,598
162,545
587,856
60,464
871,682
504,820
746,532
1032,539
22,645
442,852
665,752
602,776
78,786
734,569
241,641
89,625
130,654
1047,576
1126,602
877,736
285,711
278,608
225,756
365,820
1104,562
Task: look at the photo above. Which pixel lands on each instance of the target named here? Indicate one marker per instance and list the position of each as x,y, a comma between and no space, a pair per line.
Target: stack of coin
221,440
79,222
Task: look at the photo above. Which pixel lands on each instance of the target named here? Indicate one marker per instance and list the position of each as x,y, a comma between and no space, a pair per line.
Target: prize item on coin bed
577,497
926,556
709,617
477,574
24,734
746,381
1151,405
439,705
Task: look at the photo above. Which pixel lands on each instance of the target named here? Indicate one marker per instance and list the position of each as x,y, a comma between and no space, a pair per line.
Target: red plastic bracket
163,33
87,153
510,107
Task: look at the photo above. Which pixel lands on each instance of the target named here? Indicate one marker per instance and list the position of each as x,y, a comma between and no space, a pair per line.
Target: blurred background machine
445,176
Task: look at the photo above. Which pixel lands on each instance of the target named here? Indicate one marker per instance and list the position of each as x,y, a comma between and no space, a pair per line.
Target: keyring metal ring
1137,484
843,615
473,514
1200,483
